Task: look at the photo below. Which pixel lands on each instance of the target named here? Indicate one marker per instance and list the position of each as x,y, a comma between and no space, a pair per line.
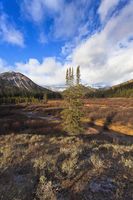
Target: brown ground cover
115,113
39,161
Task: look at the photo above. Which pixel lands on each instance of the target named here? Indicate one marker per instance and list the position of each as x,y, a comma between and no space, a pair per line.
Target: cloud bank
105,56
49,72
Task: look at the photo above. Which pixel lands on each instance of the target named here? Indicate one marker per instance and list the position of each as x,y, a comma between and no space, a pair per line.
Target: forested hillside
15,87
121,90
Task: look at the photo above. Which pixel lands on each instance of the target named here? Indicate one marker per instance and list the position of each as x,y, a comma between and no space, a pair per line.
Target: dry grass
39,161
49,167
115,114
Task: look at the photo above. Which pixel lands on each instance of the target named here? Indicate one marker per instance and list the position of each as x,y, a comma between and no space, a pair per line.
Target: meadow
40,161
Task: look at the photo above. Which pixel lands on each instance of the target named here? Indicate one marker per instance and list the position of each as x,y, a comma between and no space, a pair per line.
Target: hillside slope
121,90
15,83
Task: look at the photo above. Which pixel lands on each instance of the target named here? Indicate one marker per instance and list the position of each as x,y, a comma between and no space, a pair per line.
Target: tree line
27,97
119,91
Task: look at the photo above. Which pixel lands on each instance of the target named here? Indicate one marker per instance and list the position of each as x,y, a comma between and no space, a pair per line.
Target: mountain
125,85
61,88
86,90
121,90
15,83
56,88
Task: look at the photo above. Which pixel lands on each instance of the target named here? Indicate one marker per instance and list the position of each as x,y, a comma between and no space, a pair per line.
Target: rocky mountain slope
16,83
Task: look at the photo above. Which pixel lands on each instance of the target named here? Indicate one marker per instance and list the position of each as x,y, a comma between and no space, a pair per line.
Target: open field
114,113
39,161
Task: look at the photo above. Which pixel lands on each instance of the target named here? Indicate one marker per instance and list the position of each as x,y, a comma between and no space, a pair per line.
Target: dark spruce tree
73,106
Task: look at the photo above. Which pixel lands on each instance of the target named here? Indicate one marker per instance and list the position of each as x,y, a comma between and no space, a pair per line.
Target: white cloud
66,23
70,21
120,27
101,58
105,7
9,33
66,16
49,72
104,57
36,9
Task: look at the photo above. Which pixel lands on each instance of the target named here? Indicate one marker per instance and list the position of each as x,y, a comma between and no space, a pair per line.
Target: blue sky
41,38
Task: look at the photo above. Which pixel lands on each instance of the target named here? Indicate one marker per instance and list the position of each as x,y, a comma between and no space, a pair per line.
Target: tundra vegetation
46,156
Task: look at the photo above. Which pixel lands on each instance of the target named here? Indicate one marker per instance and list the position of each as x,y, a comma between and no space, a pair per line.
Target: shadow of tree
108,120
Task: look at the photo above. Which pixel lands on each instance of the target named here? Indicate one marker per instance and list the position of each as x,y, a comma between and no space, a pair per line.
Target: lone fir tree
73,106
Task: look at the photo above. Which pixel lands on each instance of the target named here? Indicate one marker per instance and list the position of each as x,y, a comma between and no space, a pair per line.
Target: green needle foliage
73,106
67,77
45,98
78,75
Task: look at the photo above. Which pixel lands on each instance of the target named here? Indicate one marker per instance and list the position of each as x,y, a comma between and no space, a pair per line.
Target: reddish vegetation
115,113
39,161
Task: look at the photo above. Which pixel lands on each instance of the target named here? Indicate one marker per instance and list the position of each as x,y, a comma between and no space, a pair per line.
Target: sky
42,38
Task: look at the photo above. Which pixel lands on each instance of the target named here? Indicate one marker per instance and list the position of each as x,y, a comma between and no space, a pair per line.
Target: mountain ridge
15,82
124,89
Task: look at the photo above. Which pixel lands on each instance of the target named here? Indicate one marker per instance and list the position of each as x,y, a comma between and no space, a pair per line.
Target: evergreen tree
72,76
78,75
67,77
45,98
73,107
69,72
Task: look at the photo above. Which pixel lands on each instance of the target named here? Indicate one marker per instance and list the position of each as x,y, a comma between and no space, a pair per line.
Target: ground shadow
108,120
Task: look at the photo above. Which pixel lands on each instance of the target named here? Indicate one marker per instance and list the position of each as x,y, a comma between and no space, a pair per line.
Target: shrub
127,162
96,161
45,190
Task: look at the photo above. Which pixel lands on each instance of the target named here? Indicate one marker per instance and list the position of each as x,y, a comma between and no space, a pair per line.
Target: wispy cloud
102,57
43,38
67,16
106,7
8,33
105,54
37,9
